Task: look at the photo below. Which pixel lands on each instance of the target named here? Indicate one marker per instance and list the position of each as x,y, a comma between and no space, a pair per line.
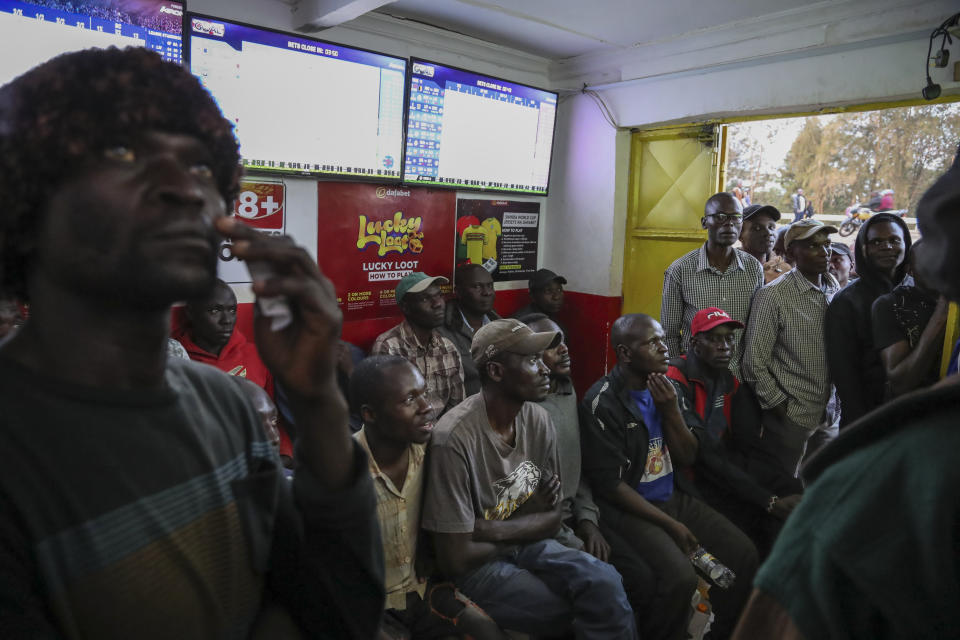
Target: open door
672,173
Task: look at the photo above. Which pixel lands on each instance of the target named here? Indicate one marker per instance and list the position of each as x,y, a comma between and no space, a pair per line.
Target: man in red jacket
209,337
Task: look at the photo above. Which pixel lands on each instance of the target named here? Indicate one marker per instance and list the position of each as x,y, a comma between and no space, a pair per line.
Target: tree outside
840,159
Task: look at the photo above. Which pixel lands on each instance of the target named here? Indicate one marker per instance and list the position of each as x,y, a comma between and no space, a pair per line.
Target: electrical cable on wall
932,90
604,109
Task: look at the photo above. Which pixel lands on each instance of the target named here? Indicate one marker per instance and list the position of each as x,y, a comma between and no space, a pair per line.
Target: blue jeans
545,588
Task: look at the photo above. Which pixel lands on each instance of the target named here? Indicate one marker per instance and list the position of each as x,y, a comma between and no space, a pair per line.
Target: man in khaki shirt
391,396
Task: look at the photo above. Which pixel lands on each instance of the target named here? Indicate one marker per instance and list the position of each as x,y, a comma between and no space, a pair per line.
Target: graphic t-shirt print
513,490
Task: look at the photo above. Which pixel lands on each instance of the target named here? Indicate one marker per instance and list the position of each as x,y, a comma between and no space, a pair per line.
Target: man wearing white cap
493,501
417,339
785,359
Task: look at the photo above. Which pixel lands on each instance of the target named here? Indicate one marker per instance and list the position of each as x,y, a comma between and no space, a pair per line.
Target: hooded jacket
238,358
855,366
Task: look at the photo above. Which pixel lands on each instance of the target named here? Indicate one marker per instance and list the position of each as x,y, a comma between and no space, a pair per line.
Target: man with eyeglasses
418,339
785,360
471,309
714,275
636,448
855,365
723,415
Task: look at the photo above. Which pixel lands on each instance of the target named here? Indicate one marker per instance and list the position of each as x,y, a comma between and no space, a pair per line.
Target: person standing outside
799,202
855,366
715,275
785,361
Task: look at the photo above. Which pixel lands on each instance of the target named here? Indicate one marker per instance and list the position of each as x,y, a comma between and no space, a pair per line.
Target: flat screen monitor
33,32
471,131
302,106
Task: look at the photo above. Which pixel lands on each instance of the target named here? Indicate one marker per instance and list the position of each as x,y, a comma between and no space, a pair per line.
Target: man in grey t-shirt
493,501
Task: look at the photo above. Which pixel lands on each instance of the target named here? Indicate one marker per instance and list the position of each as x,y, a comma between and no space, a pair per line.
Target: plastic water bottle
711,567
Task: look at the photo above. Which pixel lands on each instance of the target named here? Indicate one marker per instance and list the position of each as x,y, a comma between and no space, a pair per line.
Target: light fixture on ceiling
942,57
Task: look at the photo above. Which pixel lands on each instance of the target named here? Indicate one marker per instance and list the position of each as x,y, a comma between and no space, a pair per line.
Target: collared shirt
438,361
398,511
467,328
691,284
786,354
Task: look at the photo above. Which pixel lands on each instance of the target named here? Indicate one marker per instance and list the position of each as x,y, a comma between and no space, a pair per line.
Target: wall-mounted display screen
471,131
302,106
33,32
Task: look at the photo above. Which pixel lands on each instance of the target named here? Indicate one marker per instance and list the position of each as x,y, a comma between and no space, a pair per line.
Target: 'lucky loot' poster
502,235
370,236
260,204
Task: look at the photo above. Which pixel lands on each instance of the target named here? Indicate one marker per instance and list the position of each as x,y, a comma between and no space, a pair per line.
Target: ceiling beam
314,15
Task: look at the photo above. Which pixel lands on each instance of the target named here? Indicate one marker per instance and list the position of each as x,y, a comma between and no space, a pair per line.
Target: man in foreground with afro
139,496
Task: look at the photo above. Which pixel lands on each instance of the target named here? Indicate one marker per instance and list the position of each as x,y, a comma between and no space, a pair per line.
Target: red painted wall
586,317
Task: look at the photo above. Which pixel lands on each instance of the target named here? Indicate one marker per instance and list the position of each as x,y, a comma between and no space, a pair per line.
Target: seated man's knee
680,583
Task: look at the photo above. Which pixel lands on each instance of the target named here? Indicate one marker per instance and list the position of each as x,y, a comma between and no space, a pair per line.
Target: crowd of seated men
452,484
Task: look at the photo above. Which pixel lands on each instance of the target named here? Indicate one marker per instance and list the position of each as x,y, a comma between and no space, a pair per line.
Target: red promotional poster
370,236
260,204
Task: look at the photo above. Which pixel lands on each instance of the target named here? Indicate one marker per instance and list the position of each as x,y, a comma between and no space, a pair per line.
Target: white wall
583,239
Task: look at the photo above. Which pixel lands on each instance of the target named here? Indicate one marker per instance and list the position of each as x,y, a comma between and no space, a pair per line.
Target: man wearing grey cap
493,501
785,359
417,339
546,294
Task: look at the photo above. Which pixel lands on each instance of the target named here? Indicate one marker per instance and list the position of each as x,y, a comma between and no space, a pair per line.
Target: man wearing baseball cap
785,360
841,263
417,339
493,501
546,294
759,231
729,472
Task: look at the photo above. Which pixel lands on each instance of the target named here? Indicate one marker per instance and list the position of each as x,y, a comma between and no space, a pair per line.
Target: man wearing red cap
723,415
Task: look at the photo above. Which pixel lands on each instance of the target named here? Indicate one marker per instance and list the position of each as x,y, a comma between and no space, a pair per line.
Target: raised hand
303,355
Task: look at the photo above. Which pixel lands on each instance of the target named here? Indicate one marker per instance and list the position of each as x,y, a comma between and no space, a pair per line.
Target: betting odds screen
302,106
33,32
471,131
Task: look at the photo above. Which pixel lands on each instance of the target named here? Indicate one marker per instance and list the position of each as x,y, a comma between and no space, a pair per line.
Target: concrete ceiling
558,29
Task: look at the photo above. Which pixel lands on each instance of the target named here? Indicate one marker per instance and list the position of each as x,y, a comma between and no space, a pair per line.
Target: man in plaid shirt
418,340
785,359
715,275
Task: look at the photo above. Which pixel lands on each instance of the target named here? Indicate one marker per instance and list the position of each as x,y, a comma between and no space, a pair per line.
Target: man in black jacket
633,436
855,366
